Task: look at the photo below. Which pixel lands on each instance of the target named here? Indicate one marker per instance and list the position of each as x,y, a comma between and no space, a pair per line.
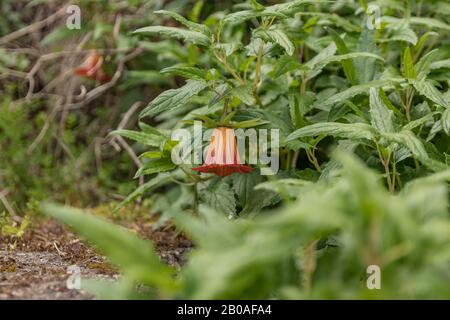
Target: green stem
258,75
196,199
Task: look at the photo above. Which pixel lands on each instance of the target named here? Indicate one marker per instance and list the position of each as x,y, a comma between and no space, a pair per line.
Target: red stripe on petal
225,169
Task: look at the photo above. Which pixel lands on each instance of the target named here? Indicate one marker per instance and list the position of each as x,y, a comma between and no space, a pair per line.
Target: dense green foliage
363,109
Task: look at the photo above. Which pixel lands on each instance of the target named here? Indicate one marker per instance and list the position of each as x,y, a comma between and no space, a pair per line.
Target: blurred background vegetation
53,124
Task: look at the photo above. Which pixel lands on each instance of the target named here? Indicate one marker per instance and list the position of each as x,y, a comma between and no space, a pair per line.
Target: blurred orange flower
92,68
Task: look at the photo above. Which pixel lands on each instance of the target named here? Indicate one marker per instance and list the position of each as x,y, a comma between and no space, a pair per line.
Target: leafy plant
319,246
322,80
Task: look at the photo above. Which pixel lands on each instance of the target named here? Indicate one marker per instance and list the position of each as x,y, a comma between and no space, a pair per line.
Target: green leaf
191,25
286,64
155,166
242,16
243,185
173,98
430,22
403,34
186,72
347,65
419,122
426,88
177,33
446,121
322,56
256,5
135,257
423,66
150,185
440,64
228,48
289,186
244,94
299,105
141,137
342,130
408,65
290,8
410,141
352,55
250,123
355,90
366,68
153,131
277,36
219,196
381,116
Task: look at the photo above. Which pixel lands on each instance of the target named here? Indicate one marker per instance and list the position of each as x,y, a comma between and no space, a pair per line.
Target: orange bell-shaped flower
92,68
222,156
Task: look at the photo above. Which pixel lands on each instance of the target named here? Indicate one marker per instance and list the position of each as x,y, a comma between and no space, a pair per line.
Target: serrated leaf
319,59
141,137
244,94
423,66
228,48
241,16
154,131
191,25
347,65
446,121
289,8
426,88
218,195
440,64
381,116
410,141
243,185
279,37
177,33
173,98
352,55
336,129
186,72
419,122
403,34
155,166
286,64
355,90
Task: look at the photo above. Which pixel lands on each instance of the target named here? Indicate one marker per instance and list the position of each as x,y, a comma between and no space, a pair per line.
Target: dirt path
36,265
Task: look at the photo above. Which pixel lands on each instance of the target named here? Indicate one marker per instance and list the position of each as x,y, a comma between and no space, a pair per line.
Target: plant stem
196,200
312,158
223,60
258,75
310,264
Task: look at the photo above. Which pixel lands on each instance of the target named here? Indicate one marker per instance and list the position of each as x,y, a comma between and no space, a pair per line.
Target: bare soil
35,266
